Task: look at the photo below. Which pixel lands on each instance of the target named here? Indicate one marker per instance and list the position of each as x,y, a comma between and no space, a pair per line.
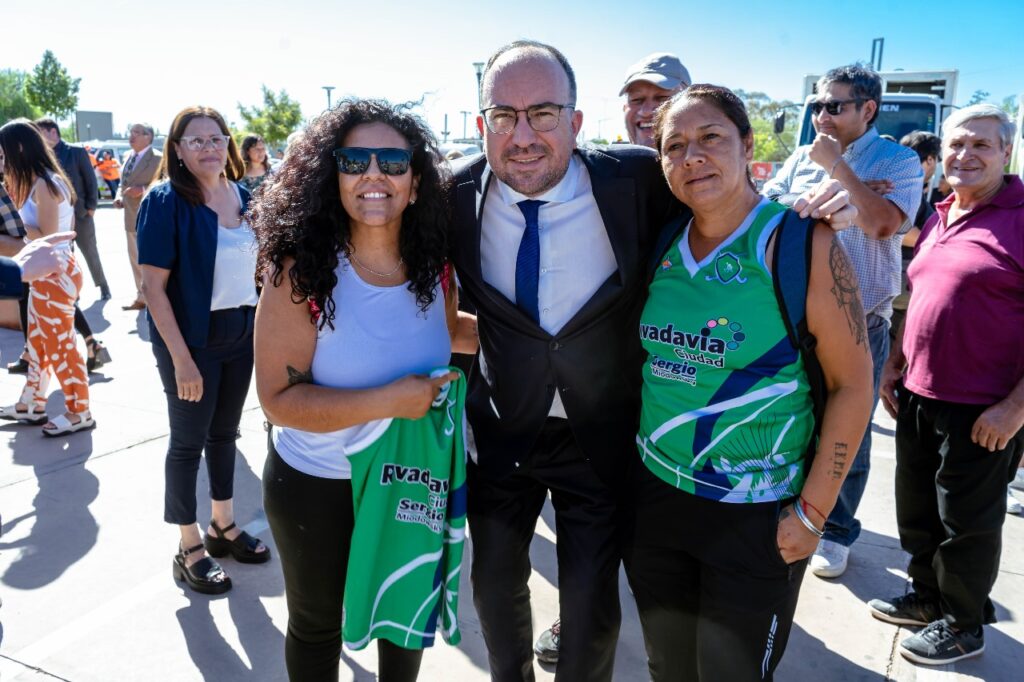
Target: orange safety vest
109,169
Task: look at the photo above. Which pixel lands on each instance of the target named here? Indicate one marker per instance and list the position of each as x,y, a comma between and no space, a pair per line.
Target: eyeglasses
390,160
834,107
196,143
541,117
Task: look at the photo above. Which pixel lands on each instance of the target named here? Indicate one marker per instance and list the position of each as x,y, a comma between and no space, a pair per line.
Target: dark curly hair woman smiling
352,237
302,217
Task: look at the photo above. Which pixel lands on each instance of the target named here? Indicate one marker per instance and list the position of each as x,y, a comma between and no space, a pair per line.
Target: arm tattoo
844,288
838,461
297,377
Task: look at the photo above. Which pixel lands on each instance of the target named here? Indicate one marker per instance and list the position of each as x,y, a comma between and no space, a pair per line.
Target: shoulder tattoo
844,288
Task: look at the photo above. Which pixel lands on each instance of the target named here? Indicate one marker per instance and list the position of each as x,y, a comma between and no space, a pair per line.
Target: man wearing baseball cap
649,82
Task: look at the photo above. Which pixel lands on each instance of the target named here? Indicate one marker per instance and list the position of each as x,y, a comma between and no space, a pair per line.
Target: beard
530,182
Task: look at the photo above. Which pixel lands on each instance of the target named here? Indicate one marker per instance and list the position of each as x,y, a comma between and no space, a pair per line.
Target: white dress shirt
576,255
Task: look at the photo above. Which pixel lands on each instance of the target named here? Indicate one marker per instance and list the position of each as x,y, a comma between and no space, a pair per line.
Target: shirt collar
140,154
858,146
564,191
1010,196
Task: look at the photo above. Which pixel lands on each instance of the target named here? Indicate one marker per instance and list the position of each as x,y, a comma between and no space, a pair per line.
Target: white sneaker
829,560
1013,505
1018,480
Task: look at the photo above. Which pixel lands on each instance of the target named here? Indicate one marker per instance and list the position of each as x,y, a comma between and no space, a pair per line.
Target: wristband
806,504
807,522
833,168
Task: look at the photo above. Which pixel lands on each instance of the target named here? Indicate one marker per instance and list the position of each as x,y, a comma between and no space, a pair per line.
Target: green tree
1010,105
978,97
13,101
761,109
279,116
51,88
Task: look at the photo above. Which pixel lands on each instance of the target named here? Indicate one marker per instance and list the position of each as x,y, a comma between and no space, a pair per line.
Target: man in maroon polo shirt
954,382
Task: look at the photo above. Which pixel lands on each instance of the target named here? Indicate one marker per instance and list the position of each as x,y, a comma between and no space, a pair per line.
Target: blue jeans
842,525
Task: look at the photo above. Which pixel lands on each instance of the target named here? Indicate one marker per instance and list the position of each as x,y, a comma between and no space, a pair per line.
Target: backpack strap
666,237
791,273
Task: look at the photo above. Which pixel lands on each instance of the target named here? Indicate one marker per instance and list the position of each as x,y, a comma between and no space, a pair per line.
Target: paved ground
85,560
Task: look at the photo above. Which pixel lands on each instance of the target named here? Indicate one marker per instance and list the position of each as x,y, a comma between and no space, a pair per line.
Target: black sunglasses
355,160
834,107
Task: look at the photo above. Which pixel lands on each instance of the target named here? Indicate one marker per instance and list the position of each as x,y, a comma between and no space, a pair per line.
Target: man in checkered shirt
849,149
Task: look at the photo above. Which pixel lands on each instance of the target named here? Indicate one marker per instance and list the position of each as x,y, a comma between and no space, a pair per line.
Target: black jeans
951,504
716,599
502,517
311,519
211,424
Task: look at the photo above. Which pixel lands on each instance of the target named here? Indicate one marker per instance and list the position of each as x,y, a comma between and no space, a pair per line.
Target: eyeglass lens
542,118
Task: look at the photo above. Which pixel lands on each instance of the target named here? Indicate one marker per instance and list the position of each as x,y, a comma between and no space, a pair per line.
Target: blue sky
145,61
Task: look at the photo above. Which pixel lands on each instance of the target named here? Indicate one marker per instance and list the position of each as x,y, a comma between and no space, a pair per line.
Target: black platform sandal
243,548
204,576
98,355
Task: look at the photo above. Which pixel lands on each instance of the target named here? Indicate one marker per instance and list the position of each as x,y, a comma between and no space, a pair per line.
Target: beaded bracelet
806,521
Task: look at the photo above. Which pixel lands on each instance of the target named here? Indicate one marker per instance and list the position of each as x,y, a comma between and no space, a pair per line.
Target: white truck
911,100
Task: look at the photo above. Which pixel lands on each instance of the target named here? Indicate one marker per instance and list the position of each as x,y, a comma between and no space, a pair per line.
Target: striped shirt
9,217
877,262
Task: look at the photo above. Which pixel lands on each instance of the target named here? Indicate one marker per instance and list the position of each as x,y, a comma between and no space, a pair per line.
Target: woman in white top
198,262
358,308
45,199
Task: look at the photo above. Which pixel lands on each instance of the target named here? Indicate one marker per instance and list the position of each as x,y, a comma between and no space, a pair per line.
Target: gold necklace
352,256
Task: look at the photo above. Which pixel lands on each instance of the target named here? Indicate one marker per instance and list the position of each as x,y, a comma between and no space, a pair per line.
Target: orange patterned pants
51,341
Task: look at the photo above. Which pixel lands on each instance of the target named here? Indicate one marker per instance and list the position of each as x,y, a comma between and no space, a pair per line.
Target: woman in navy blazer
198,263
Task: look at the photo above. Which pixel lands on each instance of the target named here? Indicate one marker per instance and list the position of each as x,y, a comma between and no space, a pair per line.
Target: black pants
950,505
211,424
502,517
311,519
85,240
716,600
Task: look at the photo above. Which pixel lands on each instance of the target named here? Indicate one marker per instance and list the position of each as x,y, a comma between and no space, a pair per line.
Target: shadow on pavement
64,530
816,663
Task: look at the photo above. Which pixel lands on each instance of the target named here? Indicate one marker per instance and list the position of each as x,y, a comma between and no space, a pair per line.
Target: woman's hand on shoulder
412,395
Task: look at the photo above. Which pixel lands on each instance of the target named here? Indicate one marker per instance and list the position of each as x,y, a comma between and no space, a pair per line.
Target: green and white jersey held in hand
409,493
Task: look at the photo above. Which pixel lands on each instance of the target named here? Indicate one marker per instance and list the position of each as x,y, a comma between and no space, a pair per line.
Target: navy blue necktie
528,260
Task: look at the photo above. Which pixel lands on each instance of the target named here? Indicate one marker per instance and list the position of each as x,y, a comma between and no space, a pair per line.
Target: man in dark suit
75,162
557,286
551,244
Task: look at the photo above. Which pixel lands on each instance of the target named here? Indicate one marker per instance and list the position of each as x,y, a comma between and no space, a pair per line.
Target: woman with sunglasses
198,261
45,198
357,310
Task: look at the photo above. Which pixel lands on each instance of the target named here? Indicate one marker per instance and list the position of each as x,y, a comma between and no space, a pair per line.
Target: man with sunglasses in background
849,149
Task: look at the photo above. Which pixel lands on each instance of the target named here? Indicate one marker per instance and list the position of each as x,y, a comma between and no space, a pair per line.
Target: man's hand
880,187
994,428
118,203
90,212
40,259
891,374
827,201
825,151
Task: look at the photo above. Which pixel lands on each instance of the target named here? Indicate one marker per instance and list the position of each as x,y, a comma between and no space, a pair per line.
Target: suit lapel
616,200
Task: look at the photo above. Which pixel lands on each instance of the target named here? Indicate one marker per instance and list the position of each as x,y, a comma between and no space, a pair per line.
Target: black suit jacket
594,360
76,163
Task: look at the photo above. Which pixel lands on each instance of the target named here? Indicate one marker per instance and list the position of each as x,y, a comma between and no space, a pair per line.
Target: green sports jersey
409,493
727,411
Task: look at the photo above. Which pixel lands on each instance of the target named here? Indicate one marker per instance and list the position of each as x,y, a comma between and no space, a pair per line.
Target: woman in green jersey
726,510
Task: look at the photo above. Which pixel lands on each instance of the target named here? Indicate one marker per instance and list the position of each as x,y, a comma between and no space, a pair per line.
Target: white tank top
380,334
234,267
65,211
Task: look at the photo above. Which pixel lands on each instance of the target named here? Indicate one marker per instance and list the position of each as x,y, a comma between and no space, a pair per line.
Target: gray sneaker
939,644
546,647
909,609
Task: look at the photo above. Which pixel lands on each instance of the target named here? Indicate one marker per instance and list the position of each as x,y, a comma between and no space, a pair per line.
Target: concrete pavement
85,559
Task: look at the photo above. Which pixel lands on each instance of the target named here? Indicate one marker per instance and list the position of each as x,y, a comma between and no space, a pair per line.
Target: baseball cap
660,68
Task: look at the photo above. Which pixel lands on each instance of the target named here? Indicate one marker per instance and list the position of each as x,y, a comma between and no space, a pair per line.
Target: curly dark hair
301,215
